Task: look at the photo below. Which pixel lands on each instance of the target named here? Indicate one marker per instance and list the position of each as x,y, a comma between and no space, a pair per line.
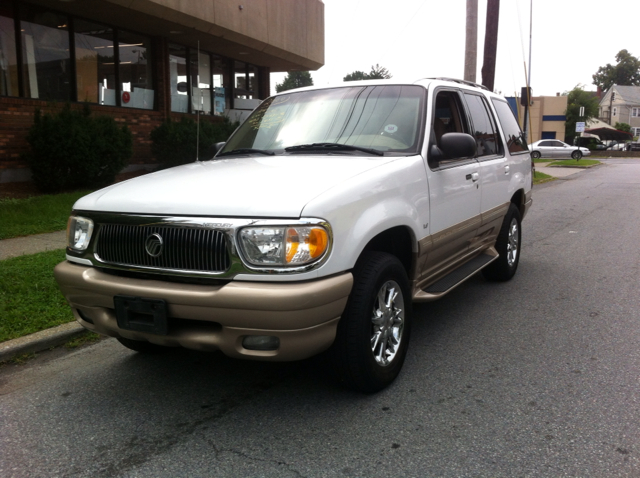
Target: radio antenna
198,110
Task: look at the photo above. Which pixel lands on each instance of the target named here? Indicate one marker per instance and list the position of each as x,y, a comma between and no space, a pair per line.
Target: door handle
473,176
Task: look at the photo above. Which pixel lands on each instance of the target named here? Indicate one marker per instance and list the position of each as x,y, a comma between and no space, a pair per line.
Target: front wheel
373,332
508,246
536,155
576,155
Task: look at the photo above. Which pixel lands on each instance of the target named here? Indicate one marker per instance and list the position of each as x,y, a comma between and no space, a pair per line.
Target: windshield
381,118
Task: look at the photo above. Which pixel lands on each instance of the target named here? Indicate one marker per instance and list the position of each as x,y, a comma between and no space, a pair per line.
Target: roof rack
457,80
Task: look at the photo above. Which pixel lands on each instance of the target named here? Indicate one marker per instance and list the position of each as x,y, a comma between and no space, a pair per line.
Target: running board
454,278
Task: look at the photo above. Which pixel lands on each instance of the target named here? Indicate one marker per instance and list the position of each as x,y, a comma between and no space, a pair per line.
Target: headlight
283,245
79,230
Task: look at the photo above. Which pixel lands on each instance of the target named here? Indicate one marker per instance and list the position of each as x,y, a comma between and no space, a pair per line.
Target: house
143,61
621,104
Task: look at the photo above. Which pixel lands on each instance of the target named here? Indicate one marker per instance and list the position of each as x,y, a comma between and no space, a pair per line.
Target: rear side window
510,127
484,129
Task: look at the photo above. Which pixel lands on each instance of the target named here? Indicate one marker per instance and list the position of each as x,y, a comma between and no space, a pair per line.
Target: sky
426,38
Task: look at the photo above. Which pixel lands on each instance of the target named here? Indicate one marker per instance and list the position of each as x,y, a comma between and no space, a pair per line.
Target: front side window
384,118
8,58
45,54
95,63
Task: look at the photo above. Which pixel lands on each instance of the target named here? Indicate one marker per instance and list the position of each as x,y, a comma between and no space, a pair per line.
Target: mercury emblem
153,245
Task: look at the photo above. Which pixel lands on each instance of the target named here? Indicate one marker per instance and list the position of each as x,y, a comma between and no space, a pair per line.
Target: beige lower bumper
303,315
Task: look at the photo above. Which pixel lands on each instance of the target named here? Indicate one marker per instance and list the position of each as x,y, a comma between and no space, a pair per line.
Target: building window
8,59
246,77
135,71
178,78
46,58
635,112
635,131
95,63
201,79
221,78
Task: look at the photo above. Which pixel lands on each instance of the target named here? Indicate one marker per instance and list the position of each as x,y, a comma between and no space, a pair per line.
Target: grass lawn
573,162
540,178
30,300
36,215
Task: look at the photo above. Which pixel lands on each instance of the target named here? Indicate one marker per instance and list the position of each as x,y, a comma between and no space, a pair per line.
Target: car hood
278,186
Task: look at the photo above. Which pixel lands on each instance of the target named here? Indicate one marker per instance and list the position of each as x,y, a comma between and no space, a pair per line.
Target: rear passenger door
495,171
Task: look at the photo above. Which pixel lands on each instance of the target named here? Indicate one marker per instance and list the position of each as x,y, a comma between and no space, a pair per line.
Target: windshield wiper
246,151
332,147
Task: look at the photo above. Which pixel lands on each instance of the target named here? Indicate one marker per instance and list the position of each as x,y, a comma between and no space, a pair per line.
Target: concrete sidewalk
21,246
44,339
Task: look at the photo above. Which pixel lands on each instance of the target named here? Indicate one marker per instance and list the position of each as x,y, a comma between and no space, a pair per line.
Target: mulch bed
28,189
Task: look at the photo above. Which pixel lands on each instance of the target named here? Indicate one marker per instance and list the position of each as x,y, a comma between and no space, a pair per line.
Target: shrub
72,149
174,142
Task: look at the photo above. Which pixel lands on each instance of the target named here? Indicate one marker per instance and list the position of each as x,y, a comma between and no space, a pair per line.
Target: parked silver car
552,148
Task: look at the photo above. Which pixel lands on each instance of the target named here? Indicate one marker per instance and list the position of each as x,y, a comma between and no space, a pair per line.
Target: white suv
315,226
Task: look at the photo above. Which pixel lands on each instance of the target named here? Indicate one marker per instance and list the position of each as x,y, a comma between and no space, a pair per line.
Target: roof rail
457,80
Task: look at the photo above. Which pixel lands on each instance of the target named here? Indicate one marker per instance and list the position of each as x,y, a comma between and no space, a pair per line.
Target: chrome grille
185,249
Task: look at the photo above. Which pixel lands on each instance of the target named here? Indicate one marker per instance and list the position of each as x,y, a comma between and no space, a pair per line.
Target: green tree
626,72
377,73
295,79
578,97
356,76
623,127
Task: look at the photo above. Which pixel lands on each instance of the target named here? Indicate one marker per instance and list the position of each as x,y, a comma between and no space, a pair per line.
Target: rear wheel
508,246
536,155
143,346
373,333
576,155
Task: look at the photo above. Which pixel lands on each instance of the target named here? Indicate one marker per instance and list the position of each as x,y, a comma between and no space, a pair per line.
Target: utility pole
490,44
471,42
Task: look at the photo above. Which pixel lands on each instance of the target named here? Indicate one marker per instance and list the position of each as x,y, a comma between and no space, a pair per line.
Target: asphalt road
537,377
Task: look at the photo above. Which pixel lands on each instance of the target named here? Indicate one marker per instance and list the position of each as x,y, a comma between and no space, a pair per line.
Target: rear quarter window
512,132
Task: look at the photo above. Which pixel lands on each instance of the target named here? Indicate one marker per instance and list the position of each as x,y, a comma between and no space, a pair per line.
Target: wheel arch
518,200
397,241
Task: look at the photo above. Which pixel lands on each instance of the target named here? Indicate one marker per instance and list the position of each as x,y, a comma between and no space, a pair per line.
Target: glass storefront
65,58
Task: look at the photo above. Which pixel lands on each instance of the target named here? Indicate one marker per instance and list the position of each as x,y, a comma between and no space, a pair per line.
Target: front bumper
303,315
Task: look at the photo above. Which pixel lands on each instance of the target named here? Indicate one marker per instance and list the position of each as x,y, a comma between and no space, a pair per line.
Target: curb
40,341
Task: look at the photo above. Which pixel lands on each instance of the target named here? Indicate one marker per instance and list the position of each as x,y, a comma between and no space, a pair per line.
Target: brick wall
16,117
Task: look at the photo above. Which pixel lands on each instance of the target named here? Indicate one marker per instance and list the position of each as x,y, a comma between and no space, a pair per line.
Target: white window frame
635,131
635,112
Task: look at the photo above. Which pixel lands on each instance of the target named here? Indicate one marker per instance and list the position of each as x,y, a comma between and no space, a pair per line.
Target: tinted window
483,127
510,127
545,143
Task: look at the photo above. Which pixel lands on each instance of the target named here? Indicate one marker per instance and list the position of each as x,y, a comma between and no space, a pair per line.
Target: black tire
508,246
352,353
535,155
143,346
576,155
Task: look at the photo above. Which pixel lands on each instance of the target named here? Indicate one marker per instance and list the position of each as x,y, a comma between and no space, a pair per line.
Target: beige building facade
547,117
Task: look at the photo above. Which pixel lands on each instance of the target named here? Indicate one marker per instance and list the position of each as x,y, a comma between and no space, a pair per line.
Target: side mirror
458,145
213,149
